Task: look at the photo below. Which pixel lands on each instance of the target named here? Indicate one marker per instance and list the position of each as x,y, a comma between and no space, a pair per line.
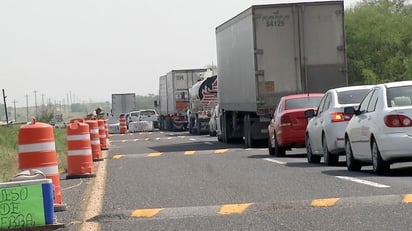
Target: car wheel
379,165
314,159
270,148
328,158
351,163
279,151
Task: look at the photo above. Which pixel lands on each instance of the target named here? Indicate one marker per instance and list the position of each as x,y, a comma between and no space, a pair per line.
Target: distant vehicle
380,130
60,125
214,123
145,115
326,127
174,98
287,127
269,51
123,103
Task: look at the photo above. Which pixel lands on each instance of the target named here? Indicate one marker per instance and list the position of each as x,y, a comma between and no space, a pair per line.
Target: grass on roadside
9,162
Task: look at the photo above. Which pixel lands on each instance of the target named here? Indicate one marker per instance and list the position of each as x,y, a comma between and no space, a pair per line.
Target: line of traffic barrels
37,151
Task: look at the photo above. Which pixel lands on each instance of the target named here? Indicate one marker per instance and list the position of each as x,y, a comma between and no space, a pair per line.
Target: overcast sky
89,49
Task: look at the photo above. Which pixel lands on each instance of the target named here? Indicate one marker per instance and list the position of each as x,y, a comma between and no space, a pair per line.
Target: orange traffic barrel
37,150
106,126
102,134
123,125
95,140
79,151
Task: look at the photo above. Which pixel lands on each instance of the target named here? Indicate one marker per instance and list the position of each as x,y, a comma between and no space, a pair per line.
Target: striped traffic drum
37,151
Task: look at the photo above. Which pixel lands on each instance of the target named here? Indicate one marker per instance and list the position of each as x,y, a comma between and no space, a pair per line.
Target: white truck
123,103
203,98
268,51
173,101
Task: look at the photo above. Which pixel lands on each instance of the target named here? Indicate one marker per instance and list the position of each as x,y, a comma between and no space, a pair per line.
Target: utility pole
35,102
27,107
15,112
5,108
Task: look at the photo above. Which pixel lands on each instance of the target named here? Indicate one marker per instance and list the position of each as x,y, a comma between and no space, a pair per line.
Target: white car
145,115
380,131
325,131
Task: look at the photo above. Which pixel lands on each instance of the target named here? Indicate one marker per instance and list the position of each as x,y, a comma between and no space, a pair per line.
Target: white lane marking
275,161
207,142
365,182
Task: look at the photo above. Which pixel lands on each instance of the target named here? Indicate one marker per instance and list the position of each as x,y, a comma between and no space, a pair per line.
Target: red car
287,127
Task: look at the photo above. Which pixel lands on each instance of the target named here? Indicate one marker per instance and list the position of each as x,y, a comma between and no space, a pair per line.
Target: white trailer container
174,98
123,103
268,51
203,98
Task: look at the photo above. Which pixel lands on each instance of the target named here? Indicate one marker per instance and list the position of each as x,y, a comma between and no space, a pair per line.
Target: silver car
326,126
380,131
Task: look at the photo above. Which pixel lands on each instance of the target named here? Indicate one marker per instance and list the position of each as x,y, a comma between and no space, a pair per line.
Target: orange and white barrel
79,151
37,150
102,134
106,126
123,125
95,140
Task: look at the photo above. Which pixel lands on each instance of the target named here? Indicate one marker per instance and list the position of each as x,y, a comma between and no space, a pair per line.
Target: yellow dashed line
221,151
407,198
136,140
117,156
169,138
157,138
328,202
233,208
187,153
248,149
154,154
146,213
124,141
147,139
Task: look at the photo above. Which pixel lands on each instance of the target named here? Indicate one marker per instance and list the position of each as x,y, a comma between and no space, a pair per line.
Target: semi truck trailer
268,51
123,103
173,101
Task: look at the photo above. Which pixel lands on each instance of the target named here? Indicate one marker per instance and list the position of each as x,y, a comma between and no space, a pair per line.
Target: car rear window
148,113
307,102
399,96
352,96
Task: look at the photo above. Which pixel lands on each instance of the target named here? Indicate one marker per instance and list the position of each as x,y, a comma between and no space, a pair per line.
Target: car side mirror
350,111
310,113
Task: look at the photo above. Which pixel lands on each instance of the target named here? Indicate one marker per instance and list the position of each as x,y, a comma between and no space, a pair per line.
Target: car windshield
302,102
352,96
134,114
399,96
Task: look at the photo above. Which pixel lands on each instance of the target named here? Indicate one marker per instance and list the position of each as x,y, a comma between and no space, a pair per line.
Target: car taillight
285,121
340,117
397,121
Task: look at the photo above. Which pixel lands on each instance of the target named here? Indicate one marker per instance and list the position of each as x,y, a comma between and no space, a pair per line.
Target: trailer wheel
224,127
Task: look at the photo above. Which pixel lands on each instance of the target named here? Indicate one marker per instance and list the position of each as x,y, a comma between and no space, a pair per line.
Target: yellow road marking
147,139
154,154
221,151
117,156
248,149
157,138
147,213
123,141
189,153
407,198
233,208
169,138
136,139
328,202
